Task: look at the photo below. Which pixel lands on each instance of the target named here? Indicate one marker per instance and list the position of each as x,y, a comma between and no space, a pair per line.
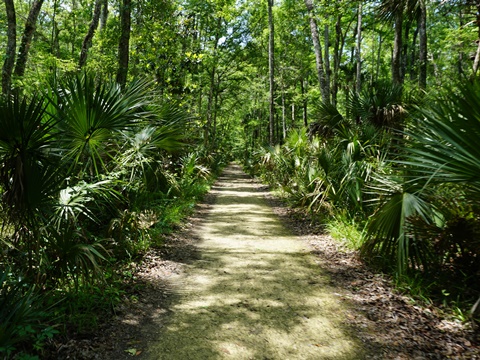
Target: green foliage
329,174
440,149
380,105
92,114
27,166
346,231
91,173
22,321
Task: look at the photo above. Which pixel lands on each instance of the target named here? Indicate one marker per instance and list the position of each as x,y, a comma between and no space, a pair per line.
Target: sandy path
255,293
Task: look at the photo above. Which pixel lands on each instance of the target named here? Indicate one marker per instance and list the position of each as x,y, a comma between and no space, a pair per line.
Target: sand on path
255,293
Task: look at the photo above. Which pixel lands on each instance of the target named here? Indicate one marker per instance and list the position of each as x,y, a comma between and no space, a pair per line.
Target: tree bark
336,57
397,48
422,29
26,41
9,62
324,86
209,135
87,41
104,15
327,59
271,67
476,61
304,103
124,42
358,85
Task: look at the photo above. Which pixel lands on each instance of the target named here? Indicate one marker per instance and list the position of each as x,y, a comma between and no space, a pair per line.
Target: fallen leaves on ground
391,322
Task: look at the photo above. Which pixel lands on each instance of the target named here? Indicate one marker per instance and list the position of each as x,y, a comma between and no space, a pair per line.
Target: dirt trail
255,293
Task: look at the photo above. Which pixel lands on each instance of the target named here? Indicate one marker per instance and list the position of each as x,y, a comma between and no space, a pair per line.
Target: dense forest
116,115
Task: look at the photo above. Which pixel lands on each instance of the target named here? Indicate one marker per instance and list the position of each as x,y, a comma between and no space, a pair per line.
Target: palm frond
27,153
443,145
92,115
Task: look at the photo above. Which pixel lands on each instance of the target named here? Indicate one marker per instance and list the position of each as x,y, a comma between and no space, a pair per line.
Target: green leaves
387,231
26,148
92,115
443,146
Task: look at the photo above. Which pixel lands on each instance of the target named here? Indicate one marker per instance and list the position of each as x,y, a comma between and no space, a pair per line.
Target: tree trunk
284,123
324,87
327,59
476,62
271,64
304,103
87,41
9,62
30,26
124,43
397,48
461,54
379,56
405,47
358,85
336,57
422,29
413,56
211,107
104,15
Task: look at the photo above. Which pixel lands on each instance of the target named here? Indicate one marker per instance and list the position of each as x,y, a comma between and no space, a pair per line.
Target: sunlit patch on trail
256,292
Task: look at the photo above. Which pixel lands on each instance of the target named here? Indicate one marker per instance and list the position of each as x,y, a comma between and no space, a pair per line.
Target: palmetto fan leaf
81,200
27,145
441,147
380,105
92,115
444,144
387,233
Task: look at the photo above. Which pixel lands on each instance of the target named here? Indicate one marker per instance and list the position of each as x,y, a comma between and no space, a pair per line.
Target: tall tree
87,41
9,62
104,14
358,86
124,42
27,36
271,66
324,86
422,30
397,10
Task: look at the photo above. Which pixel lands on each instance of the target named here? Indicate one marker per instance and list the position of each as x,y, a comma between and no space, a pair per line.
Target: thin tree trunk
124,43
327,59
397,48
293,115
74,32
271,64
422,28
9,62
324,87
304,103
379,56
336,58
87,41
358,85
54,36
405,47
411,63
104,15
212,90
26,41
284,124
461,54
476,62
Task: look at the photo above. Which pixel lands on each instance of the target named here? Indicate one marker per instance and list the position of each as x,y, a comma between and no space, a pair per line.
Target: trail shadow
254,293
